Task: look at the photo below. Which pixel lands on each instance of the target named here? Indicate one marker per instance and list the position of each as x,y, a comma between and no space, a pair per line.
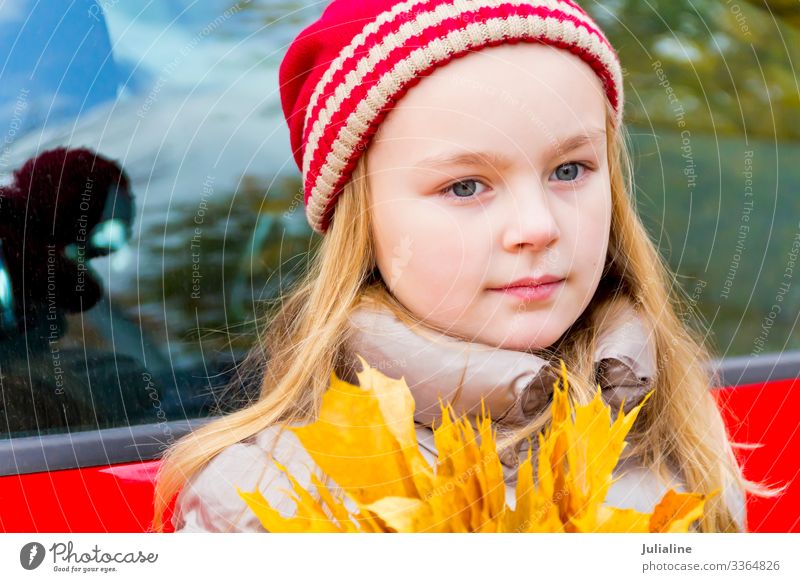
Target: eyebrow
500,160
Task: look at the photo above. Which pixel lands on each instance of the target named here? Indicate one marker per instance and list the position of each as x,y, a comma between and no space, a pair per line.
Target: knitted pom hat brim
342,74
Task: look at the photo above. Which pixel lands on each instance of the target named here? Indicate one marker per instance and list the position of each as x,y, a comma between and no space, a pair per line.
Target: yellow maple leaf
365,441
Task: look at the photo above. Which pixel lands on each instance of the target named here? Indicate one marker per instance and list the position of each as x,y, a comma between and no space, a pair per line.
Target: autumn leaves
365,441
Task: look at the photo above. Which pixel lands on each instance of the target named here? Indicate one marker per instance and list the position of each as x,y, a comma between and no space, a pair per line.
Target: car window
712,108
140,314
180,97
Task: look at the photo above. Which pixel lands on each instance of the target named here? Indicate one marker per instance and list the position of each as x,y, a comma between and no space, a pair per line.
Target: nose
530,220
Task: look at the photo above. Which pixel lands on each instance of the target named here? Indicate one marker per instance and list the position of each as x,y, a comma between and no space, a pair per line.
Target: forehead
518,92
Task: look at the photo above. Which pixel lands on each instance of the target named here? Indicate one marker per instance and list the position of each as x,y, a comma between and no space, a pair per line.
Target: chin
526,342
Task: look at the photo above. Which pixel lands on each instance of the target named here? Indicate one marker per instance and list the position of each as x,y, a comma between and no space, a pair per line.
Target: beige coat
210,503
511,381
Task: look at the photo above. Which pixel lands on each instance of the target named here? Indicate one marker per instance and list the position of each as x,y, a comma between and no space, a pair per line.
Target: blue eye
569,172
460,189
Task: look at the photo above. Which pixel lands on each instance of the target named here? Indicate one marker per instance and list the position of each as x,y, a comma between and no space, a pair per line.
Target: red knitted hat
343,73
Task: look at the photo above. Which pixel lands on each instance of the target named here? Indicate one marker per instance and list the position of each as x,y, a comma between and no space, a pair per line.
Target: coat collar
516,386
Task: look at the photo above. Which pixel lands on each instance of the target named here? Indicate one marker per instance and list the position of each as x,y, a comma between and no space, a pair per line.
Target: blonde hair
302,343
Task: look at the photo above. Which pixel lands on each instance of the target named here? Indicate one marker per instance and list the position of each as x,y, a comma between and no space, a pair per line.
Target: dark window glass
713,112
140,312
181,97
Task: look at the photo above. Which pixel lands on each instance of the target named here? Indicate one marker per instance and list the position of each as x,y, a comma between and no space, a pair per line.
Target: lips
530,290
532,282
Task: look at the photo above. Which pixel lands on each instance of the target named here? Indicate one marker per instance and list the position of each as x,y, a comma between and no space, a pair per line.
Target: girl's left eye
569,172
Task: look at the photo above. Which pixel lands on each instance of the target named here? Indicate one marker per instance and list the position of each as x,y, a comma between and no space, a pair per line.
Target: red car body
119,498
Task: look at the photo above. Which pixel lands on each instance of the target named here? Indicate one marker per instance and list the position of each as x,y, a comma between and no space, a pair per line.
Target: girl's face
490,170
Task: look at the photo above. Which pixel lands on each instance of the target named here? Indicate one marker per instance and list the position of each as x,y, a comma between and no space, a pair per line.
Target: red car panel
767,414
119,498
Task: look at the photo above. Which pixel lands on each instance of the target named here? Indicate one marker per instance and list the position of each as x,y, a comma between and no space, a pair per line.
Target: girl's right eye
460,192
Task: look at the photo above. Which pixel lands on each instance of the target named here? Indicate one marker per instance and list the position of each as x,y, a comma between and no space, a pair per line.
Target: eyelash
444,192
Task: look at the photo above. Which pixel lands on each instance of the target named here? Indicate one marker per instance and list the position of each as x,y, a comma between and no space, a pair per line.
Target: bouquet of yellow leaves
365,441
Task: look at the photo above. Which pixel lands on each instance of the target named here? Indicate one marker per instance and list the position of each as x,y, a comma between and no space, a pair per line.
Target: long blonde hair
302,342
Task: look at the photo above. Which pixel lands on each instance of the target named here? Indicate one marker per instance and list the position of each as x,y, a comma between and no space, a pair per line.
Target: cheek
590,233
429,260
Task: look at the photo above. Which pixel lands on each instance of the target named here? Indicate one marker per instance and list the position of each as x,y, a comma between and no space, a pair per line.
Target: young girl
394,109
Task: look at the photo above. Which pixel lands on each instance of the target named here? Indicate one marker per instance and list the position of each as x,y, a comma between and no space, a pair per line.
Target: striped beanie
343,73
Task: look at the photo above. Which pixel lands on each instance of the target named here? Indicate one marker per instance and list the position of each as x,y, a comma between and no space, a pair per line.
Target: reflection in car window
714,121
63,208
182,97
